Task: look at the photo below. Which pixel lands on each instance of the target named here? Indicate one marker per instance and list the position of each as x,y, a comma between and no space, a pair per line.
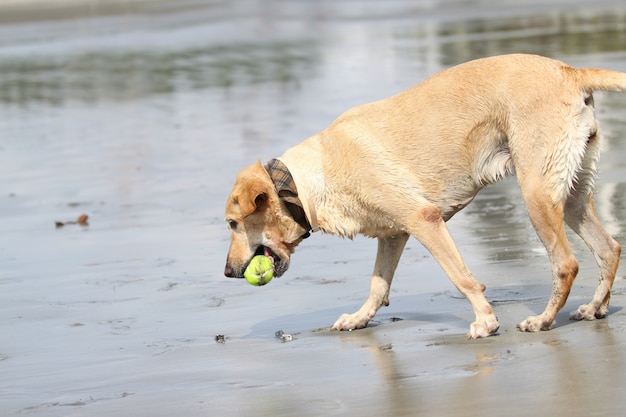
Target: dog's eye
232,225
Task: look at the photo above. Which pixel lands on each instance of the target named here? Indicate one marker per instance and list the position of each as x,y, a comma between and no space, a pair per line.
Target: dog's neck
301,207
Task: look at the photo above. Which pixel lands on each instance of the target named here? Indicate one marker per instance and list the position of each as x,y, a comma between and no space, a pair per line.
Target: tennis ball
260,271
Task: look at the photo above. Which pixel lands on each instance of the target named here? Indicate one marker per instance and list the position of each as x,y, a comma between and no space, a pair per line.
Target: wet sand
140,114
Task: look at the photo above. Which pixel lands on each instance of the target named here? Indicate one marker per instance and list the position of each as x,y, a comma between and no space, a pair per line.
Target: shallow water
140,113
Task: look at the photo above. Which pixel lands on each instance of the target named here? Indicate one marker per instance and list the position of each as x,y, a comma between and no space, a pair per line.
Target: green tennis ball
260,271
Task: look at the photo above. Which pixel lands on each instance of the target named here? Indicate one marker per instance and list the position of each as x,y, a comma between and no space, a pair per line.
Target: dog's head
259,223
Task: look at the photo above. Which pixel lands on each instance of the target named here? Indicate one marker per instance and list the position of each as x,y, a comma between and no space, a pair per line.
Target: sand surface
139,114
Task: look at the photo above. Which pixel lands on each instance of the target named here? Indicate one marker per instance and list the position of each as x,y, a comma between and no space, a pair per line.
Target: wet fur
404,165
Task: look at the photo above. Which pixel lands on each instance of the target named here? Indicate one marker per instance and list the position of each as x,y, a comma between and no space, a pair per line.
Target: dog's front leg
432,232
389,252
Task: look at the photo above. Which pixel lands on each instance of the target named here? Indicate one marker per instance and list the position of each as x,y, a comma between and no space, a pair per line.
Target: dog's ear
255,198
254,193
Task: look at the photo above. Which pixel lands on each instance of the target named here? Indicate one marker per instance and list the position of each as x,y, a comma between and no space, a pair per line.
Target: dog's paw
483,328
535,324
350,322
588,312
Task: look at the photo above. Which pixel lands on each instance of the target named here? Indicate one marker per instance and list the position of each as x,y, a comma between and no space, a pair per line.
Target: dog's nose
228,271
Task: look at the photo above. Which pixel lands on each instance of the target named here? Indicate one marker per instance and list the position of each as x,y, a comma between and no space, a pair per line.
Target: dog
404,165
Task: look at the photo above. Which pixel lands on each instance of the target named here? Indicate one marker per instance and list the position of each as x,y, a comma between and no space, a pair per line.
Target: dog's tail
600,79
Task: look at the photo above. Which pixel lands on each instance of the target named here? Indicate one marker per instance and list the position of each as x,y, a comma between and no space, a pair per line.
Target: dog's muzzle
280,265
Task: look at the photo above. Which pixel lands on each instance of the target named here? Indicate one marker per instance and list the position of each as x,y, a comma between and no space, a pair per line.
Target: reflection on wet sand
92,76
558,374
189,56
544,32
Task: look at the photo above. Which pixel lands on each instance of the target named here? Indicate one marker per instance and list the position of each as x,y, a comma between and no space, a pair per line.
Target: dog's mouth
280,264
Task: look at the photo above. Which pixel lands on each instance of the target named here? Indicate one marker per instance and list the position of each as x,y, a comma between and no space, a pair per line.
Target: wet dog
405,165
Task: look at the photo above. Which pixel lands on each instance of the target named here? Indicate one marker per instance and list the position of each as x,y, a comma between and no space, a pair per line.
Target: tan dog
403,166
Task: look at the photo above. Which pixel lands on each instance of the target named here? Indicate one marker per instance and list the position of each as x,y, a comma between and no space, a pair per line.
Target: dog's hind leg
387,258
580,215
556,164
547,219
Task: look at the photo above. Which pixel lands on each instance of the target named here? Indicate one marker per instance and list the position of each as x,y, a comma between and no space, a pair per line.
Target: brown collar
288,193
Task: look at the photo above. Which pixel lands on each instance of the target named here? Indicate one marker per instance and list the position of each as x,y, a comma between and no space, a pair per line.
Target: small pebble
285,337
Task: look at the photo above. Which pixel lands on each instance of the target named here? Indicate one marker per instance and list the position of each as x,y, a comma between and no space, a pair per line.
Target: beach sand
139,114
